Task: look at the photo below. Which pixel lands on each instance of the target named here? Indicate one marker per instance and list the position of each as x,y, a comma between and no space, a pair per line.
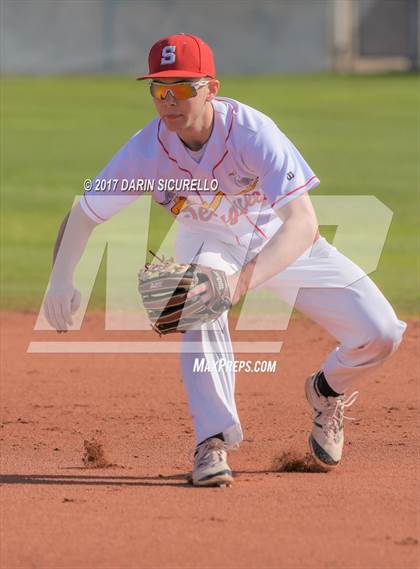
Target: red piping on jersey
92,210
256,227
226,151
233,114
174,159
185,169
166,151
218,164
295,190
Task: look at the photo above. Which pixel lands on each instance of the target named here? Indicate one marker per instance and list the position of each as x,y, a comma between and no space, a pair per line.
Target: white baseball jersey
253,164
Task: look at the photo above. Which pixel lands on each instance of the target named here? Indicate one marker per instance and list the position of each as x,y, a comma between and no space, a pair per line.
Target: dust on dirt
94,455
293,462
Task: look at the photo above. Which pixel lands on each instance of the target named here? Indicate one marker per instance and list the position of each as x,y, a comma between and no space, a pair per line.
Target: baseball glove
164,287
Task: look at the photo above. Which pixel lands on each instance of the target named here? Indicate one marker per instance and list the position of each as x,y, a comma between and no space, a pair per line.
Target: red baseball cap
180,55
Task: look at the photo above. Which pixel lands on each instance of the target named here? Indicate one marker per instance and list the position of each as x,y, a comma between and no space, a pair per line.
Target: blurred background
248,36
339,77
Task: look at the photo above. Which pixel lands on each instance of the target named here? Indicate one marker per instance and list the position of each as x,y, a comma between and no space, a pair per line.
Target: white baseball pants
356,314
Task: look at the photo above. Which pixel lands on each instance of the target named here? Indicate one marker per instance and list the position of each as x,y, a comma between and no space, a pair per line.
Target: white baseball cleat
210,464
326,440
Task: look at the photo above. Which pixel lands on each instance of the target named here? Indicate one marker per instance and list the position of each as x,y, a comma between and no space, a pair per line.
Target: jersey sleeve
120,183
284,174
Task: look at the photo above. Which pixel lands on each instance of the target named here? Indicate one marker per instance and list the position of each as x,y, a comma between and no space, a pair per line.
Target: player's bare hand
60,304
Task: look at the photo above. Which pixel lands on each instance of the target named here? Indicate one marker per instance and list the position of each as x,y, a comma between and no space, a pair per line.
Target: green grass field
359,134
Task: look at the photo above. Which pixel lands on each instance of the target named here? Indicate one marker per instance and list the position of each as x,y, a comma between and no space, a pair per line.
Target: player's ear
213,89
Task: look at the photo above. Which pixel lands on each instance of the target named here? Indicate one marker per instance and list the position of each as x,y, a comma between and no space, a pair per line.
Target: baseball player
259,227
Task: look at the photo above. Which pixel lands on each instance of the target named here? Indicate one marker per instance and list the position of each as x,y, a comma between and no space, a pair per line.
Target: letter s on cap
168,55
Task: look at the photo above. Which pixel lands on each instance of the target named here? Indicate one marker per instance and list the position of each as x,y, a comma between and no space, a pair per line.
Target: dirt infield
62,415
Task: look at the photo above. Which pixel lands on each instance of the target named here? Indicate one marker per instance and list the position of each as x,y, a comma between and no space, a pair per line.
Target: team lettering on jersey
238,206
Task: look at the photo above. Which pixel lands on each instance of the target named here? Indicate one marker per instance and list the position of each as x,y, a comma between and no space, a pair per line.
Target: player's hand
60,304
236,288
203,289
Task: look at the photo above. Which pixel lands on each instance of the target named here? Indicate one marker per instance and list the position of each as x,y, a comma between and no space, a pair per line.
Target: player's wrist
59,283
238,285
246,275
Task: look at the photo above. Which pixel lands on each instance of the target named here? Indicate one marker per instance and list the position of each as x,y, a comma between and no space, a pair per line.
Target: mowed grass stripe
359,134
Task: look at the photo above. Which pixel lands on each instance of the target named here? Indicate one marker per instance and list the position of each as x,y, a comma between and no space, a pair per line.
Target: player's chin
174,122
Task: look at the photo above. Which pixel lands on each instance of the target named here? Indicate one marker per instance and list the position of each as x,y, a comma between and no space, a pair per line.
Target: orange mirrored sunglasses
180,91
